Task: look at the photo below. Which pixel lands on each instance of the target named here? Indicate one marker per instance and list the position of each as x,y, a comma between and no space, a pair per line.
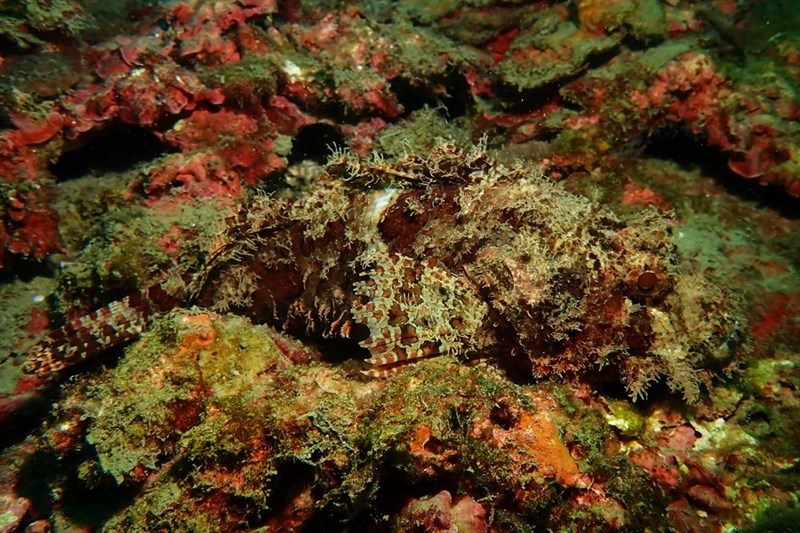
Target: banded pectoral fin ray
390,354
89,335
414,309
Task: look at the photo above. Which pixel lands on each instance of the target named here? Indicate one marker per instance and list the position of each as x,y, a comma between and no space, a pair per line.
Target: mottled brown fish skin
456,254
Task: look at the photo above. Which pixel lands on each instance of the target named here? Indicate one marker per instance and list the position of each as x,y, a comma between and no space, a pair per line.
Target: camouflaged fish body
455,253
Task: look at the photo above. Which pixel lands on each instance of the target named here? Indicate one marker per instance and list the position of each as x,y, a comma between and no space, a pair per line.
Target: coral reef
220,424
240,426
430,266
232,70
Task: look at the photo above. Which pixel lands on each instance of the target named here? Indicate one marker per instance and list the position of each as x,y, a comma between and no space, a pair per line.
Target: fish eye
647,282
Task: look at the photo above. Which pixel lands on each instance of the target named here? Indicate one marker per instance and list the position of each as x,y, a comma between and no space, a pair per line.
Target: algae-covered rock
174,385
212,424
549,50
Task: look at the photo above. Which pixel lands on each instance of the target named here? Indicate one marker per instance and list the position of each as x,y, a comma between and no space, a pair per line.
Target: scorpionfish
450,253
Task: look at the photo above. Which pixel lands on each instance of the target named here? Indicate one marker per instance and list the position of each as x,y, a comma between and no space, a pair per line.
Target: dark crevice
635,43
80,504
609,384
451,92
395,487
516,100
337,350
24,415
116,148
686,149
295,476
17,267
315,143
569,105
768,196
678,145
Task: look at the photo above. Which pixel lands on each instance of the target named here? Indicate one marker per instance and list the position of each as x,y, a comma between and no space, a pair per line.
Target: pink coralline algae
428,266
737,125
329,65
688,91
138,80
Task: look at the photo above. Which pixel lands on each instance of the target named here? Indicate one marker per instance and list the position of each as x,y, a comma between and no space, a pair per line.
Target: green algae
24,23
20,298
624,418
248,81
740,251
776,518
549,51
210,407
419,133
137,410
164,508
129,248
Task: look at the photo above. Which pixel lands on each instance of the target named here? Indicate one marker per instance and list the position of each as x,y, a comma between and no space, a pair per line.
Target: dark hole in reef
527,100
758,422
338,350
612,388
686,149
503,415
114,149
681,146
517,100
95,507
26,269
22,420
770,196
609,385
315,143
395,485
293,475
451,93
34,476
80,505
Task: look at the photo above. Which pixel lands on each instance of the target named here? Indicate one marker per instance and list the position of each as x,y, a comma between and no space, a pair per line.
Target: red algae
426,266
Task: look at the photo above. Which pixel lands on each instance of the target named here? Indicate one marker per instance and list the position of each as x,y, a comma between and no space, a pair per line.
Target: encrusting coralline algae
451,253
627,371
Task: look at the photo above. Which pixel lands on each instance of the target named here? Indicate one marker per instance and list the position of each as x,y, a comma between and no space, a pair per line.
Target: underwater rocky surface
427,266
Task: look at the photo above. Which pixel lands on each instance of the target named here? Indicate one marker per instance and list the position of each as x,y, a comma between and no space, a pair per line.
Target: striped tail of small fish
89,335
